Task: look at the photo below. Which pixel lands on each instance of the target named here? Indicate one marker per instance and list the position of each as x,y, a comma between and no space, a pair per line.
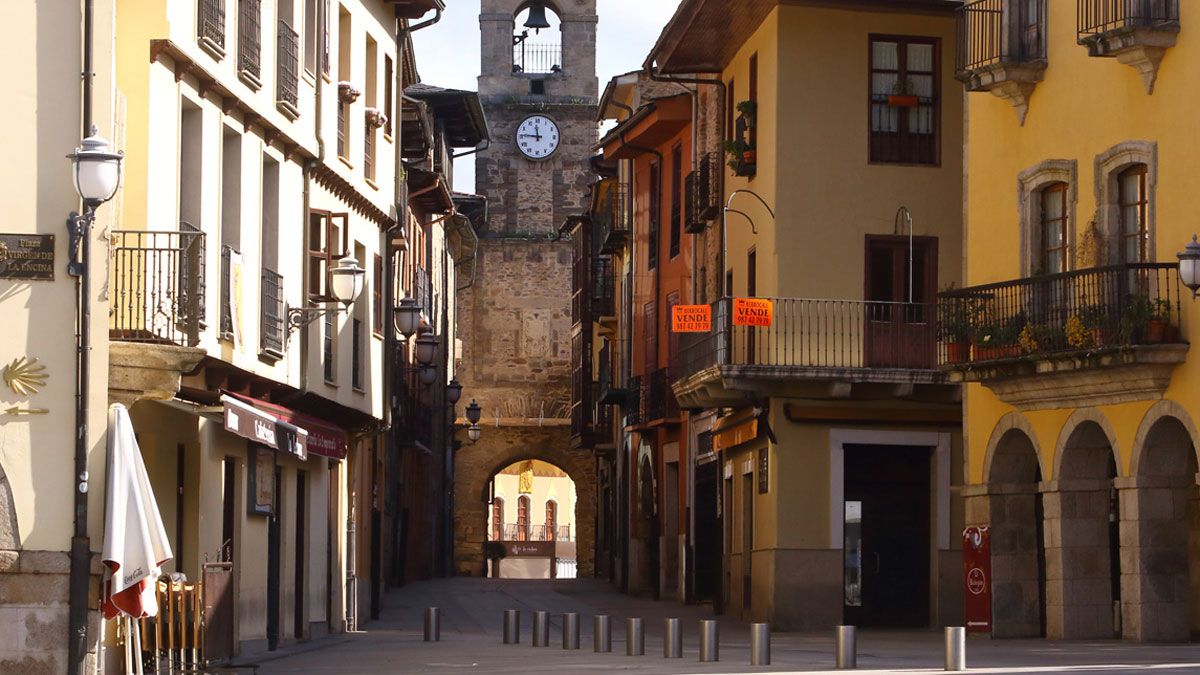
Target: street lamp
97,169
454,391
345,283
473,432
427,346
474,412
1189,266
407,317
427,375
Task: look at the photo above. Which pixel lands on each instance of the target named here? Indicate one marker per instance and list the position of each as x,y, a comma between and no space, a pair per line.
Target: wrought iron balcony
813,349
602,287
287,69
1123,319
658,401
1002,48
227,254
702,193
250,41
157,287
614,220
210,24
272,313
1137,32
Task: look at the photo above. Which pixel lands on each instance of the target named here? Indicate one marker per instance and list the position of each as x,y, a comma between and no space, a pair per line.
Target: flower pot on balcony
749,157
347,93
1102,337
902,101
958,352
1156,331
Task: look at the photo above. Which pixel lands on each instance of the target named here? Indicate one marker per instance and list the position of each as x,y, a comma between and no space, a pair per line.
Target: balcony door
901,284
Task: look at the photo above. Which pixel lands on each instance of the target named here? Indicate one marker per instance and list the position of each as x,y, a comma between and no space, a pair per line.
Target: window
904,105
676,198
655,208
326,243
329,349
344,74
310,36
387,96
650,328
497,519
1053,249
250,41
752,95
372,101
523,518
1133,202
356,359
377,297
551,521
325,38
730,105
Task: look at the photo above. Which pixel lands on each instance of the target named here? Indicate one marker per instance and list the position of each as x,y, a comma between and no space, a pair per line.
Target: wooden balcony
1134,32
816,349
1087,337
614,220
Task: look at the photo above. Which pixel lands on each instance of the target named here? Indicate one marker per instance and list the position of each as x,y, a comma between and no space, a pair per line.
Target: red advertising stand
977,577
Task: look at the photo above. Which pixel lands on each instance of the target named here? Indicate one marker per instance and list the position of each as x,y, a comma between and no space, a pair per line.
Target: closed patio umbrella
135,541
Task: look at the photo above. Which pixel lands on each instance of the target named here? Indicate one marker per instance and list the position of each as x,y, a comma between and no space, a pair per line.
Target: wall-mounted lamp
1189,266
345,283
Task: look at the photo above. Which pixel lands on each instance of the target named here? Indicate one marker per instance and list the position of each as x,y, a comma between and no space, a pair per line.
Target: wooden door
900,316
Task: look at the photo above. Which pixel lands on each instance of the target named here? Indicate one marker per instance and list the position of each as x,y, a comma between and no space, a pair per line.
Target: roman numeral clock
537,137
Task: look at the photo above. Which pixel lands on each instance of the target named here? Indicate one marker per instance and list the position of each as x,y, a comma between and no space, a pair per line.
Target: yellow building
839,468
1080,407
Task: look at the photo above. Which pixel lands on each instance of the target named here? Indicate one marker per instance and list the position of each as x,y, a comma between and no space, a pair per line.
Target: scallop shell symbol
25,376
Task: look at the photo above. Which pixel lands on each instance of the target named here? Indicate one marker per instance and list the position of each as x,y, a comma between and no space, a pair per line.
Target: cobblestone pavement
471,640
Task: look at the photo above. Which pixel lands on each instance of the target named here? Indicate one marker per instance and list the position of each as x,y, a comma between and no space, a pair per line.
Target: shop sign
764,476
977,578
261,483
753,312
529,549
27,256
691,318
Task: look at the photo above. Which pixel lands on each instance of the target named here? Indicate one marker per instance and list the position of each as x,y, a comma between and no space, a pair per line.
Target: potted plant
1094,320
741,157
1160,321
1078,335
902,96
347,93
376,118
956,332
749,112
1135,320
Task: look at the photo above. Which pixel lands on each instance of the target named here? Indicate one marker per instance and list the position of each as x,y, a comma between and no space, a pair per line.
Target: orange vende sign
752,312
691,319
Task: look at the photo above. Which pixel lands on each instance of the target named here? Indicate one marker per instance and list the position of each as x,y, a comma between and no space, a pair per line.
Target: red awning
324,438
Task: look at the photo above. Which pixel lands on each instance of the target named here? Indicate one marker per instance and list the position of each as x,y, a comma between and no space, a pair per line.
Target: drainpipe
81,545
487,143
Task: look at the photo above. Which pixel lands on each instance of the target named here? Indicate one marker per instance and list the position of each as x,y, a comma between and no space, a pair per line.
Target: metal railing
602,416
210,21
537,59
250,38
1098,308
989,34
343,133
702,193
226,290
515,532
817,334
287,66
271,313
369,151
658,401
635,411
614,220
1097,17
157,287
602,286
424,292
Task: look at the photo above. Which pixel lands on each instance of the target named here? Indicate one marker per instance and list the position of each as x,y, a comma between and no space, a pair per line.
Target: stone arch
1002,462
10,535
1086,432
1160,411
497,448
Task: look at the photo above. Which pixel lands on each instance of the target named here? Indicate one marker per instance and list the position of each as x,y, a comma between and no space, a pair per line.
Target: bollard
672,639
512,626
847,647
541,629
570,630
602,633
710,649
956,648
433,624
635,637
760,644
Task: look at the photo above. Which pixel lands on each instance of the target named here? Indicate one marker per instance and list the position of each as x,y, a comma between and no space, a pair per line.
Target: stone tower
539,91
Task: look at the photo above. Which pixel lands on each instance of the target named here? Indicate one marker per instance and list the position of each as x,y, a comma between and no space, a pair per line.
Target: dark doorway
900,312
273,559
299,622
887,535
228,508
707,556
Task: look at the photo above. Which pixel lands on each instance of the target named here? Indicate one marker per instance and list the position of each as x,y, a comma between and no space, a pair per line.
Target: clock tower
538,87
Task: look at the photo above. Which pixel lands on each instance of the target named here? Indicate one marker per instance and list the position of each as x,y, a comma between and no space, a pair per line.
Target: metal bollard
672,639
710,649
541,629
433,624
760,644
956,648
847,647
570,630
602,633
635,637
512,626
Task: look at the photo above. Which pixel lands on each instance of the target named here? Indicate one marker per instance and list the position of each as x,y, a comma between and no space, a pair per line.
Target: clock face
537,137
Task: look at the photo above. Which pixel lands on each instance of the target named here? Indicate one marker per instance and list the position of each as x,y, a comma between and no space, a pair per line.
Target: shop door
900,322
273,560
887,536
708,553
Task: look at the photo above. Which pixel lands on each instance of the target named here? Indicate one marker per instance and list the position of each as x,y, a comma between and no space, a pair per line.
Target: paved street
471,640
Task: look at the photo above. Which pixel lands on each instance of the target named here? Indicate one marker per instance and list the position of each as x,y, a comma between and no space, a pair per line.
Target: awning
735,430
259,426
322,438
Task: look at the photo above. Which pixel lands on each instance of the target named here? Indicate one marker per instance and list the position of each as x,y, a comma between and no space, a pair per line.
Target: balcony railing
602,286
825,335
634,411
534,59
271,313
614,220
602,416
1086,310
343,150
157,287
210,23
1097,17
989,35
227,253
424,291
250,39
516,532
703,193
657,398
287,66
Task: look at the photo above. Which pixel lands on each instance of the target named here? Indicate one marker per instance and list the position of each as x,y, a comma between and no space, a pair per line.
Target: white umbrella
135,541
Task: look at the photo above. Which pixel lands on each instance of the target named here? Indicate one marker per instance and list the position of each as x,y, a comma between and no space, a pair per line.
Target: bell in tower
537,16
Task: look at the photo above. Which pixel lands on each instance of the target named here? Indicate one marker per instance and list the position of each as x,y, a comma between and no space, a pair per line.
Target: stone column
1156,516
1078,574
1010,512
